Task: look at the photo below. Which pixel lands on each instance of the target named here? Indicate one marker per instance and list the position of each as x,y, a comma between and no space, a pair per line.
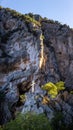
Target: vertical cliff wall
33,50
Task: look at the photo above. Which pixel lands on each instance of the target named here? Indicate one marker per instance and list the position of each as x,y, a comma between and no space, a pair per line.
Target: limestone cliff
33,50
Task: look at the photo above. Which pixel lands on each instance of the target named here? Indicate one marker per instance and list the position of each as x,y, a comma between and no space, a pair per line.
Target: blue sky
60,10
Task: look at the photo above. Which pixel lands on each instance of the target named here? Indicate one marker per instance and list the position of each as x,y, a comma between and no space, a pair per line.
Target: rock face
20,55
58,52
32,53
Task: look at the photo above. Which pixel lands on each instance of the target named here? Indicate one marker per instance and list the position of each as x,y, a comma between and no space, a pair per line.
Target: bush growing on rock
53,89
29,122
33,121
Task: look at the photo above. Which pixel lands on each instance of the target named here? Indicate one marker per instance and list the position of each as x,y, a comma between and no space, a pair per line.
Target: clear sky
60,10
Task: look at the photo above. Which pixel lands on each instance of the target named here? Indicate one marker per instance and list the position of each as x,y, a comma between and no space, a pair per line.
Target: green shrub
1,128
29,122
71,92
53,89
58,123
30,19
0,7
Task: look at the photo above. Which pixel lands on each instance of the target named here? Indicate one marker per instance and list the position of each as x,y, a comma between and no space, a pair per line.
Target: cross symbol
33,87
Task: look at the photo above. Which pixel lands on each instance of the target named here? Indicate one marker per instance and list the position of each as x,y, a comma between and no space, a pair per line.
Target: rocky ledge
33,52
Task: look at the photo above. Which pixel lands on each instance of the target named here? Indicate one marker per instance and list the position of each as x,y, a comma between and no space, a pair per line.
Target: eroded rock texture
58,52
20,53
31,52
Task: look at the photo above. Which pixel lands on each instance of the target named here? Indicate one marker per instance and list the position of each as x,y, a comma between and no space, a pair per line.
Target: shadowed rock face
26,57
58,51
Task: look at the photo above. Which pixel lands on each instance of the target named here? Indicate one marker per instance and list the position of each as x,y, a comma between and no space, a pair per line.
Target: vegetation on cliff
28,121
32,121
53,89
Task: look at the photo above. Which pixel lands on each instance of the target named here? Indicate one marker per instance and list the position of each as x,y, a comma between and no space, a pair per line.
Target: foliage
33,121
29,121
27,18
31,15
30,19
0,7
2,96
53,89
13,12
60,85
1,128
22,97
45,100
58,123
71,92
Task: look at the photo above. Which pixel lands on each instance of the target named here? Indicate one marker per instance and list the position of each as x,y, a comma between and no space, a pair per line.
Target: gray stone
31,104
69,78
49,112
